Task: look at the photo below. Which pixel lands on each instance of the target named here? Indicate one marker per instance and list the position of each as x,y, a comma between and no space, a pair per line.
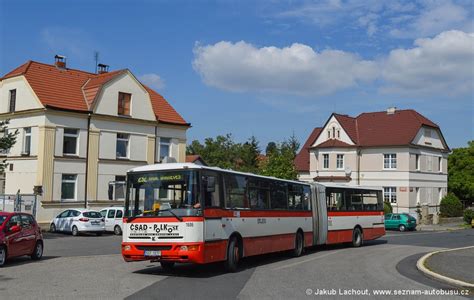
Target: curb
420,264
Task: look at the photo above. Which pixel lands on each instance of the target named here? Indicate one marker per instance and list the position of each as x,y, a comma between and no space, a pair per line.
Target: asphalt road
91,267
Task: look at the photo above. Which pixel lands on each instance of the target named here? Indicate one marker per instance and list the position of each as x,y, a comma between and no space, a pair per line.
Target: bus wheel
167,265
299,245
357,237
233,255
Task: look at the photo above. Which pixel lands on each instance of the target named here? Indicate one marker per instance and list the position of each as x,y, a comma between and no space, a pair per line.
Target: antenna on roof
96,57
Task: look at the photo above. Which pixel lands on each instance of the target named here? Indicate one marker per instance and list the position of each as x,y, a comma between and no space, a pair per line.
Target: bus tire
167,265
357,237
299,245
233,255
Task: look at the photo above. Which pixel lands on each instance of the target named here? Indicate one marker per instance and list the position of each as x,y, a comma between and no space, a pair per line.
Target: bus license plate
151,253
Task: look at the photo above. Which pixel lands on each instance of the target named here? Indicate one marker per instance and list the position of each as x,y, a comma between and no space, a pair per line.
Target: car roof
82,210
113,207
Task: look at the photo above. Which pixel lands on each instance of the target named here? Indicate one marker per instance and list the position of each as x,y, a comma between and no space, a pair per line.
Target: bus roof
185,166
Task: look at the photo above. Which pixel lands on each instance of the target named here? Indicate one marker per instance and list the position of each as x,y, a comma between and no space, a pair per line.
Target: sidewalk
440,227
453,266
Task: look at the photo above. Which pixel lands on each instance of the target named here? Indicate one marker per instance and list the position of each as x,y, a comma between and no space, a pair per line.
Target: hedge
451,206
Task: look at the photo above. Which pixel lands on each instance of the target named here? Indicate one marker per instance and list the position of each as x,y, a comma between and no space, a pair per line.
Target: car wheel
3,255
299,245
74,231
167,265
38,252
233,255
402,227
357,237
117,230
52,228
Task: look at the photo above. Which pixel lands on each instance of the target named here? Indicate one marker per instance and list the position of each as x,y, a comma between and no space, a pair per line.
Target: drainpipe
87,158
358,165
156,135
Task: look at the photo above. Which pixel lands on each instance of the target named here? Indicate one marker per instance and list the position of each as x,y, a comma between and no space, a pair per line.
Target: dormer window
12,103
124,104
334,132
329,134
338,134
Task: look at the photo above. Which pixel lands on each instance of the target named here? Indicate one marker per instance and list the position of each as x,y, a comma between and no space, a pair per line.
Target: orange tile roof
372,129
76,90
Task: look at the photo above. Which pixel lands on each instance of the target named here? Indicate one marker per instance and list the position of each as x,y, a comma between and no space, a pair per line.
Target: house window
334,132
326,161
340,161
338,134
120,187
122,145
440,164
417,162
12,103
124,104
27,141
329,134
390,194
165,147
70,141
390,161
68,187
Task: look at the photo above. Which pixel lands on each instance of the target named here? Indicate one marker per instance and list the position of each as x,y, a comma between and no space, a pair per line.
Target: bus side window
235,191
335,199
306,197
211,190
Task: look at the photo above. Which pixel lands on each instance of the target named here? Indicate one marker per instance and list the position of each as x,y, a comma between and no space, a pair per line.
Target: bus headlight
189,248
183,248
127,248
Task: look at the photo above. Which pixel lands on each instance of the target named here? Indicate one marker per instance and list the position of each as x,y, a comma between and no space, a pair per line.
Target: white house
79,132
400,151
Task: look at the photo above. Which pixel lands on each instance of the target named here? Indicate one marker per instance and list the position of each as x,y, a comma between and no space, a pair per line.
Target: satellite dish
168,160
348,171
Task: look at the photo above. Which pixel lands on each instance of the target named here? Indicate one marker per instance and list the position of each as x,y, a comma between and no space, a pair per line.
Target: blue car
400,222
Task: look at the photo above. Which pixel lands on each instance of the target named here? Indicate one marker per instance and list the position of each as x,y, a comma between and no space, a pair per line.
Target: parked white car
78,220
113,219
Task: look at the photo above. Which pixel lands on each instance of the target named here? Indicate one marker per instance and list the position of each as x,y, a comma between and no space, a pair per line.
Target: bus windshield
162,193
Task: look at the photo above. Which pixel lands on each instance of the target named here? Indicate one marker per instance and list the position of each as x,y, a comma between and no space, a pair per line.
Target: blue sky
266,68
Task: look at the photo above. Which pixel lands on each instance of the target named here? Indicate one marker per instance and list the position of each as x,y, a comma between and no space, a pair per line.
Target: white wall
107,103
434,141
344,137
25,98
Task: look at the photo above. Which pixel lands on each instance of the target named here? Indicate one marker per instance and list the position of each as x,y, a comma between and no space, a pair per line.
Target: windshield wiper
171,212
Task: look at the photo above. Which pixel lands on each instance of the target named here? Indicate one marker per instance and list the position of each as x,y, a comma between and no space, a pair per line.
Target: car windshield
162,193
2,219
92,214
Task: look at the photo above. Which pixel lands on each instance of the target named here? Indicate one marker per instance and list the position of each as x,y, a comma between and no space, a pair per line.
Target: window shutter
126,104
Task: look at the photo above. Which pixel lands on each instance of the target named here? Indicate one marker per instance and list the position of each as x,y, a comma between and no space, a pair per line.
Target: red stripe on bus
345,236
163,219
225,213
354,213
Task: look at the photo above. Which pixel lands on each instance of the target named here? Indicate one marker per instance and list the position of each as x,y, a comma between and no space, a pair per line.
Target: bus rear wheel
299,245
233,255
357,237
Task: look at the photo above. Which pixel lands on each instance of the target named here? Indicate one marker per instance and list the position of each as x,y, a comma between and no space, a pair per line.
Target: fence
19,202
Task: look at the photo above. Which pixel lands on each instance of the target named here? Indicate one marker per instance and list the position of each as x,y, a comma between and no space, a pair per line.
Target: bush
468,216
387,208
451,206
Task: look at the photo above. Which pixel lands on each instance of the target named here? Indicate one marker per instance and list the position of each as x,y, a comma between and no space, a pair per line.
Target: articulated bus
188,213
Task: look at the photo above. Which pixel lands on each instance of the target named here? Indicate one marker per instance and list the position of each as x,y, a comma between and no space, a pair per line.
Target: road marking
306,260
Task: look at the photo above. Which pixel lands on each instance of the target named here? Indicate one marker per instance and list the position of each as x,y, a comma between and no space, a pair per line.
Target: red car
19,235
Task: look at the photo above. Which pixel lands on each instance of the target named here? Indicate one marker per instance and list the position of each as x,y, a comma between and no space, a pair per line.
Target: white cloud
152,80
442,65
297,69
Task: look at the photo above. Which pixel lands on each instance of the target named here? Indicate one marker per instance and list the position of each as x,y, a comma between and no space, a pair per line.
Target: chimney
391,110
101,68
60,61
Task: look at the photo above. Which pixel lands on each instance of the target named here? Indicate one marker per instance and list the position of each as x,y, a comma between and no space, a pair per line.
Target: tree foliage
461,172
224,152
450,206
7,140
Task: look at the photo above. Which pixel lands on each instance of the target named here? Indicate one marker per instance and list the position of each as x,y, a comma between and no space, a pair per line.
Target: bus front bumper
176,252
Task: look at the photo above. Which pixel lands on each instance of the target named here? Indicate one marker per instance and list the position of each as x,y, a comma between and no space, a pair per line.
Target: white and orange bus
182,212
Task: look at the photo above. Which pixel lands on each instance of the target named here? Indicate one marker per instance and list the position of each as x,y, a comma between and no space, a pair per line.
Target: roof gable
302,158
77,90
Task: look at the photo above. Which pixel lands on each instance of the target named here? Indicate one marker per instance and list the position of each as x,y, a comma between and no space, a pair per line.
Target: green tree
223,152
7,140
271,147
280,160
450,206
461,172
